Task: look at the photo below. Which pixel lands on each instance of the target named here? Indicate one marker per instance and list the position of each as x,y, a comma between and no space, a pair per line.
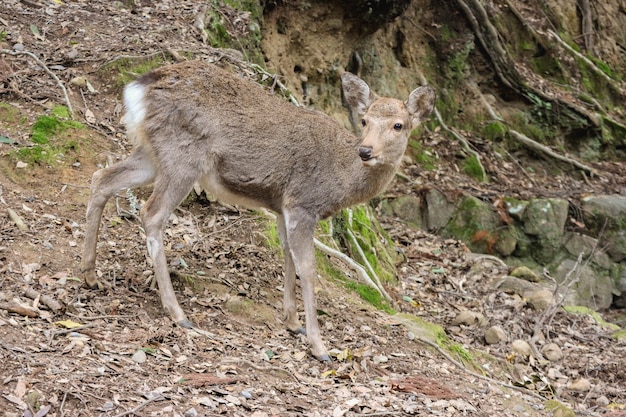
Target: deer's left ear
421,103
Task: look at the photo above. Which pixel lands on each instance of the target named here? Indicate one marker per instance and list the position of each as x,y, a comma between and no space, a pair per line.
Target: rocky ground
127,358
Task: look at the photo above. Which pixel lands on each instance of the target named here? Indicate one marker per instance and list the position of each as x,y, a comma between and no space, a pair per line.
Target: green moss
126,70
9,114
495,131
375,243
3,35
559,409
425,158
370,295
472,167
220,34
44,128
50,141
586,311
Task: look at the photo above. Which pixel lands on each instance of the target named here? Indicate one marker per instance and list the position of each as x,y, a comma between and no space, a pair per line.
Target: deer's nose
365,152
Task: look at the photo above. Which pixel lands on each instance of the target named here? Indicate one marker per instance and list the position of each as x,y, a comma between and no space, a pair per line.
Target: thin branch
587,61
140,406
525,140
361,272
45,67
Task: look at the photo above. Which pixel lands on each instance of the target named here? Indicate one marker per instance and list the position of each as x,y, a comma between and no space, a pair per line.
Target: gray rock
545,220
407,208
139,356
592,290
577,243
539,299
521,348
607,214
439,210
494,335
469,318
552,352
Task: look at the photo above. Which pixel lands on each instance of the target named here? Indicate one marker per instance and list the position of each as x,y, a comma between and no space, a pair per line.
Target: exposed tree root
45,68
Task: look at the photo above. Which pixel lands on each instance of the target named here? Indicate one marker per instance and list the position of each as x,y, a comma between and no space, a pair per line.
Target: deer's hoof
299,330
323,358
185,324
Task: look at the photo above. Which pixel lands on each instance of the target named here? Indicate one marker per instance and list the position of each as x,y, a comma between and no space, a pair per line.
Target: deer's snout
365,152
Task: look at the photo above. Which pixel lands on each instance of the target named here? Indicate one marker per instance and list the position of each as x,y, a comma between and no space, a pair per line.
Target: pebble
139,356
191,413
469,318
540,299
602,401
521,348
495,334
580,384
552,352
526,273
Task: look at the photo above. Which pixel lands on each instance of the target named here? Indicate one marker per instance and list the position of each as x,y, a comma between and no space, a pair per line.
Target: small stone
540,299
552,352
580,384
526,273
469,318
191,413
139,356
21,165
380,359
602,401
521,348
495,334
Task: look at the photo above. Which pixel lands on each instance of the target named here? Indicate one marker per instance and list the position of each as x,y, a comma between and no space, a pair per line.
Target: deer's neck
366,184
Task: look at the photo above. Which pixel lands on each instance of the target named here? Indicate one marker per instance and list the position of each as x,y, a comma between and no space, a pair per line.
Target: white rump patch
134,95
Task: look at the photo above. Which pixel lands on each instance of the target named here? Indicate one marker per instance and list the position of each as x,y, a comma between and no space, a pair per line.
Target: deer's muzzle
365,152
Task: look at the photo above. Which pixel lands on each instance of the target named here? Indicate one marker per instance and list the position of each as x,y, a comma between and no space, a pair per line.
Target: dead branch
587,61
45,67
587,25
526,141
48,301
509,72
361,272
19,309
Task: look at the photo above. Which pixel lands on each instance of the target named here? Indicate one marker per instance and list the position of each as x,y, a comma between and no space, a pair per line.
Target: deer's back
250,145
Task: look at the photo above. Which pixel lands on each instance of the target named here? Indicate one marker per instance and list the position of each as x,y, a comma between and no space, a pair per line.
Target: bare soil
128,358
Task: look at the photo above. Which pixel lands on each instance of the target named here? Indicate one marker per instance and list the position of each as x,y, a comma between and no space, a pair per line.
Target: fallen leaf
68,324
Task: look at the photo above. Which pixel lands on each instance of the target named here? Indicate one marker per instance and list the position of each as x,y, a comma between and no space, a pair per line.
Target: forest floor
128,358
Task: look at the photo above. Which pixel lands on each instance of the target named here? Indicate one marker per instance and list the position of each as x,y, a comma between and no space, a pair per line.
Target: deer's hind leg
171,186
292,322
134,171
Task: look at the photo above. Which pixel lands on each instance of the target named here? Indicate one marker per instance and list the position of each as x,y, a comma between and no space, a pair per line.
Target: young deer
196,122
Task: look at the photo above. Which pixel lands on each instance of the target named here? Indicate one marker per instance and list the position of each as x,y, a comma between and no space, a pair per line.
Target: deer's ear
356,92
421,103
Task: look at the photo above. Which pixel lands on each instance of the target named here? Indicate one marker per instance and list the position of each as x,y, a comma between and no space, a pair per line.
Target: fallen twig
48,301
15,218
140,406
361,272
525,140
45,67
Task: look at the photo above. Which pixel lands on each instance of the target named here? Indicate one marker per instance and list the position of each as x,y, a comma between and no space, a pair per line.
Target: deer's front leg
299,230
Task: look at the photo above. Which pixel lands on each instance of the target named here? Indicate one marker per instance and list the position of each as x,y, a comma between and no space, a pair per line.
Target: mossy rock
376,244
475,224
544,220
407,208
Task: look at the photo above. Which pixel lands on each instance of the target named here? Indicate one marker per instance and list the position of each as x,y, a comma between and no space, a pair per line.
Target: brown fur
196,122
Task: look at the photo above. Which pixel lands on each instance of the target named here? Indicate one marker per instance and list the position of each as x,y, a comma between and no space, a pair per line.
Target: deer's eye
363,122
397,126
